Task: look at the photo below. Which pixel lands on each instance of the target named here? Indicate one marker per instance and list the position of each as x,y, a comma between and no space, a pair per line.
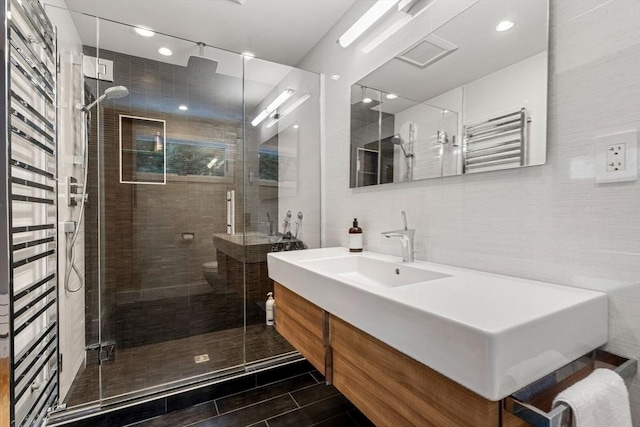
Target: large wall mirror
469,97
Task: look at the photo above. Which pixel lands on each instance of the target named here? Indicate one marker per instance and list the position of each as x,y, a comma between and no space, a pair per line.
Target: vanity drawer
392,389
300,323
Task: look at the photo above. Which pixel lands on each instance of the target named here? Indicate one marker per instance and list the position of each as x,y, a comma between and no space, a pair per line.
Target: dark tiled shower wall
141,235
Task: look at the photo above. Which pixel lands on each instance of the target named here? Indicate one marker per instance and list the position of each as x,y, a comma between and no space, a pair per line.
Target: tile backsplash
551,222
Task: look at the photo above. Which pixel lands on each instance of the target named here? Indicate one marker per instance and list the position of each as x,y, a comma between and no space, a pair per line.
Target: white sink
493,334
367,271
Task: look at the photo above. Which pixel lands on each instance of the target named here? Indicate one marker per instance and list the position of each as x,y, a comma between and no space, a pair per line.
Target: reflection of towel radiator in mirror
497,143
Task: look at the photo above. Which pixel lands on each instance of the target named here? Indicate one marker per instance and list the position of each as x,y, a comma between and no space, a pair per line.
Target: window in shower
196,158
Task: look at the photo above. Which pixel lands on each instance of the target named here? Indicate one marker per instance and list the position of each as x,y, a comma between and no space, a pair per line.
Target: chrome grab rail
561,415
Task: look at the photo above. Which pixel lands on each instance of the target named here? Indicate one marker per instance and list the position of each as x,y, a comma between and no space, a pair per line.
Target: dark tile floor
300,401
155,364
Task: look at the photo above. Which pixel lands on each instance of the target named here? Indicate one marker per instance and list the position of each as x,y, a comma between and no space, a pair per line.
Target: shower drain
202,358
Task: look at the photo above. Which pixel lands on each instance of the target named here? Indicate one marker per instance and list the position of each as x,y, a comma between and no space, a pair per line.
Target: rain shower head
200,67
113,92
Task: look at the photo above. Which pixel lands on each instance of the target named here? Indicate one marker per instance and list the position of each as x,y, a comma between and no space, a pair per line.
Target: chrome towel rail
496,142
535,407
31,165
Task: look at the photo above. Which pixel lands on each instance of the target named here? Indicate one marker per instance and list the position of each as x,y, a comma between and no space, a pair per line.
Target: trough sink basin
493,334
367,271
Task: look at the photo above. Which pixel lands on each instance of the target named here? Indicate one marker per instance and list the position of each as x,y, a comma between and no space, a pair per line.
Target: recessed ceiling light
144,32
504,26
183,107
165,51
367,100
335,77
391,96
296,126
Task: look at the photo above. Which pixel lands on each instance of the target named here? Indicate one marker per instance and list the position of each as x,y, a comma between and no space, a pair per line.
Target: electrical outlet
616,160
617,157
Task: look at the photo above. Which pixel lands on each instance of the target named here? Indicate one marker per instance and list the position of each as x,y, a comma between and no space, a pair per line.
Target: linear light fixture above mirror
409,9
286,94
370,17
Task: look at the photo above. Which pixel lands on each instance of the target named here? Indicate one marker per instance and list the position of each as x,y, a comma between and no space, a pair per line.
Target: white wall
551,222
71,305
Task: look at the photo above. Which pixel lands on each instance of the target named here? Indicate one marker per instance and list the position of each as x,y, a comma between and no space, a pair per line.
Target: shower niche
143,150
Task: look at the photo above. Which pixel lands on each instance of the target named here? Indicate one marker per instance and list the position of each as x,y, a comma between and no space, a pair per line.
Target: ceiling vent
427,51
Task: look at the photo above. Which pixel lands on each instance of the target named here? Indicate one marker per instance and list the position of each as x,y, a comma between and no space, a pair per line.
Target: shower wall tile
551,222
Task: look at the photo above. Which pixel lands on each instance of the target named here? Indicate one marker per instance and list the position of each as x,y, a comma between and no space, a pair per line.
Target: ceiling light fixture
289,109
286,94
335,77
504,26
271,123
410,9
144,32
165,51
388,32
370,17
365,98
296,126
295,105
183,107
391,96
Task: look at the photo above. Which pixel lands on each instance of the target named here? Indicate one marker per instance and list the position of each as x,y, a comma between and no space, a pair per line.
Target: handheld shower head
113,92
397,140
116,92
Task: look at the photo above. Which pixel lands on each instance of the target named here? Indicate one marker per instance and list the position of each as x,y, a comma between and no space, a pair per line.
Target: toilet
210,273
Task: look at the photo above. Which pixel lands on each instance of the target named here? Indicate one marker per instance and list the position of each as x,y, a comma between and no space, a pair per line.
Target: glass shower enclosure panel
281,189
199,161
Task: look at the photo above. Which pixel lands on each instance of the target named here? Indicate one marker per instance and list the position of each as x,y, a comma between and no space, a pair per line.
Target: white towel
599,400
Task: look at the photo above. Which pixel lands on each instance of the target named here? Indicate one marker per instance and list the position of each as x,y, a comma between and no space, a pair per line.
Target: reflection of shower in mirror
408,152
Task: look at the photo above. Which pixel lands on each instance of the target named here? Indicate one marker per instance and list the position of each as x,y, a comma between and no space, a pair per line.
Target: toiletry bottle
269,306
355,237
158,143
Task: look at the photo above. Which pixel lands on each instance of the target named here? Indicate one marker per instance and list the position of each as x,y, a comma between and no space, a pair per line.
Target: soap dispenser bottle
355,237
158,146
269,306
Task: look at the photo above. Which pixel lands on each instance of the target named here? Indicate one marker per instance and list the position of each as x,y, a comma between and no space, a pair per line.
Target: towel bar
533,403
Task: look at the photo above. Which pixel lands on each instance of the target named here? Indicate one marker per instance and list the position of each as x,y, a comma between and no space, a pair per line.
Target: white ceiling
281,31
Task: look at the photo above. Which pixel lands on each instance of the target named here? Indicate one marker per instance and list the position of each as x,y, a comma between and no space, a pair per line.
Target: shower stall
176,175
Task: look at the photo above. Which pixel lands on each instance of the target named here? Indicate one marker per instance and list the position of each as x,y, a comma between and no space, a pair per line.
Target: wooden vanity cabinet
301,323
389,387
394,390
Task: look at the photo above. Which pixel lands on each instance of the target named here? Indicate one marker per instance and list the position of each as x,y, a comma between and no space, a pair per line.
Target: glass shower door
168,157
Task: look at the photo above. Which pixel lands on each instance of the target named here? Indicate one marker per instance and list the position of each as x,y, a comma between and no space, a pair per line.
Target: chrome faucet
406,239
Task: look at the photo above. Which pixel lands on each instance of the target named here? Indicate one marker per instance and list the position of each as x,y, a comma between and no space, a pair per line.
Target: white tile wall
71,305
550,222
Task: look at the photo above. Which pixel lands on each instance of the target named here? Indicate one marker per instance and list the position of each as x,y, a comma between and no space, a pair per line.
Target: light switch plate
625,162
